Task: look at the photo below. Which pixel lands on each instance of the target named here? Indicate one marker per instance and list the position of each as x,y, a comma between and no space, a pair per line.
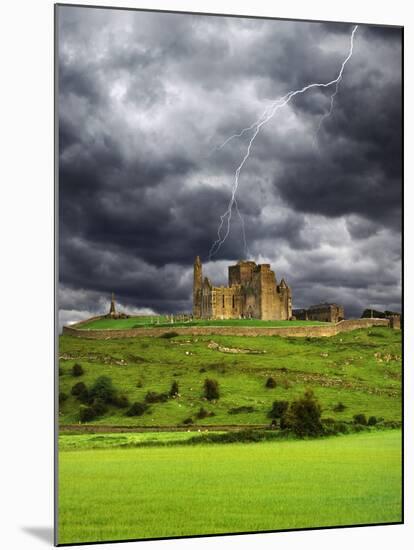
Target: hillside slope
360,369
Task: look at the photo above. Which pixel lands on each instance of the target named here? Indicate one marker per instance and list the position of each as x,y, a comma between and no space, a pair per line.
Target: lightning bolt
265,117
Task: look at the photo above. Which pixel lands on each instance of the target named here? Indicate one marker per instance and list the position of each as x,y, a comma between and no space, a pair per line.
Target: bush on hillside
99,406
203,413
339,407
103,389
137,409
303,416
278,409
154,397
77,370
211,389
372,421
174,391
188,420
120,401
78,389
62,396
271,382
242,409
86,413
360,419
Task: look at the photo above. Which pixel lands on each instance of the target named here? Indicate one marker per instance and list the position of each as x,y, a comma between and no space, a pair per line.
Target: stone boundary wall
313,331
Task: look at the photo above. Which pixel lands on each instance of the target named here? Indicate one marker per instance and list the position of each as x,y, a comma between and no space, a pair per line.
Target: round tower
197,287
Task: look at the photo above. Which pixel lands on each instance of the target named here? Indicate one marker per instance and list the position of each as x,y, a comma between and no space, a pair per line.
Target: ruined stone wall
267,296
314,331
226,302
241,274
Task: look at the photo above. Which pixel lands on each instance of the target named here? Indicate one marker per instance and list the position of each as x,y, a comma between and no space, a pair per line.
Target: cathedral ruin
253,293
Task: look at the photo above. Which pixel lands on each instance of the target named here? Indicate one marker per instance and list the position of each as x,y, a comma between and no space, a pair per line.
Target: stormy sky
146,98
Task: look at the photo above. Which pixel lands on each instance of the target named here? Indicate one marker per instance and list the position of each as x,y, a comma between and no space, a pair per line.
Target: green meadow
164,321
359,369
116,493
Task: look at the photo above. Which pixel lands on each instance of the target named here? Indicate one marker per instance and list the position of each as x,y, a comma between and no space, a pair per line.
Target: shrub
170,334
77,370
174,389
78,389
203,413
62,396
372,420
86,413
140,384
341,427
271,382
304,416
203,369
278,409
211,389
339,407
360,419
242,409
188,420
103,389
120,401
154,397
331,427
137,409
61,371
99,406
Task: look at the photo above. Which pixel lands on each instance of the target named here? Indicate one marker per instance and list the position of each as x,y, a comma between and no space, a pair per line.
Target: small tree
360,419
120,401
211,389
78,389
174,391
62,397
99,406
278,409
137,409
154,397
271,382
77,370
86,413
304,415
103,389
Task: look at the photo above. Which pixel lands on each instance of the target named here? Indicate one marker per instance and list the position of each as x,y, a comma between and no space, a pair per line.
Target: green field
163,321
189,490
361,369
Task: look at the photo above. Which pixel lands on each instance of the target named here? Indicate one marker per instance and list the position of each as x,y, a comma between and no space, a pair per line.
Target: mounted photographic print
229,274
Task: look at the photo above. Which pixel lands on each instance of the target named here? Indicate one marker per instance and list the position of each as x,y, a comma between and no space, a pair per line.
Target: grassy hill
360,369
162,321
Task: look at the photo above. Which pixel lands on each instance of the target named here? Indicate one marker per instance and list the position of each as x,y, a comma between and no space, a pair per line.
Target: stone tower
197,287
112,308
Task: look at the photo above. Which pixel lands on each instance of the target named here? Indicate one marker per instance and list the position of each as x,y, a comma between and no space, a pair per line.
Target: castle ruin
253,293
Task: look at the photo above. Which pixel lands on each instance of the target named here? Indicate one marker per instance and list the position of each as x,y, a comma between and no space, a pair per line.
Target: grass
78,442
112,494
163,321
361,369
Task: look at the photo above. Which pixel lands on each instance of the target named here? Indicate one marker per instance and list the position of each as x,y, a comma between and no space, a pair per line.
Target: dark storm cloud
144,98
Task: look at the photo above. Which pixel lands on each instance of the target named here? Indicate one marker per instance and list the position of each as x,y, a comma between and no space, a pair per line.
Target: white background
26,271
